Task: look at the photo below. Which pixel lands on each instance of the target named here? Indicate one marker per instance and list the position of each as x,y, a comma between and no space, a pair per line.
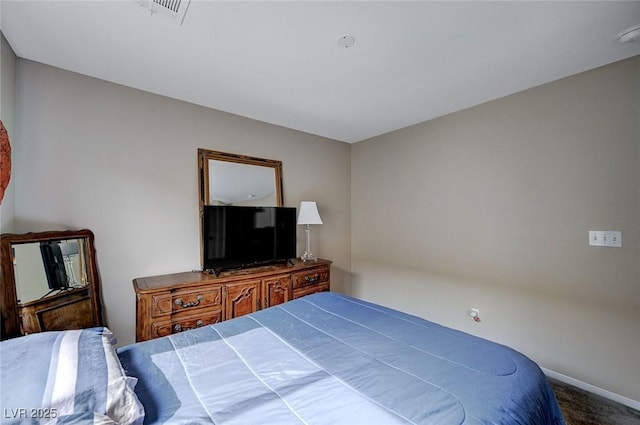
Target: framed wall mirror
49,281
230,179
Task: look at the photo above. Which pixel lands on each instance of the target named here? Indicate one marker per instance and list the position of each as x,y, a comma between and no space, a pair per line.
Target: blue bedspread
331,359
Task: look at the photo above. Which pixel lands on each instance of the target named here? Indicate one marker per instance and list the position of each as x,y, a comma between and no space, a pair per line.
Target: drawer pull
191,304
312,279
180,328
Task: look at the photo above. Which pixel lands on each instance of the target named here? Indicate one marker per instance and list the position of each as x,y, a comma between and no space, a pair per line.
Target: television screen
236,236
54,265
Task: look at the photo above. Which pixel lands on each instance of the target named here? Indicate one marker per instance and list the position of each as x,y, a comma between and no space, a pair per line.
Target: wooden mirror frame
205,155
9,307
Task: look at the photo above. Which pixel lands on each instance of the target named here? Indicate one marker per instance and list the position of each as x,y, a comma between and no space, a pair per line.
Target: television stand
216,272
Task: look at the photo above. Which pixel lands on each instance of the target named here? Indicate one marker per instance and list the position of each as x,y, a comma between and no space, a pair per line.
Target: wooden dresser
65,310
172,303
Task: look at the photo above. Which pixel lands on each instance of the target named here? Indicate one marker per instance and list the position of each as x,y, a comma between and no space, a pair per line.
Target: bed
322,359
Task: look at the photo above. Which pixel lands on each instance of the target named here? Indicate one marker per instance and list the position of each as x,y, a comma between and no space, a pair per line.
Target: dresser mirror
49,281
230,179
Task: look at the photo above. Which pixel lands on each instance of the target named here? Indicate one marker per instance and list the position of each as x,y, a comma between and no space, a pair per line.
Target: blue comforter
331,359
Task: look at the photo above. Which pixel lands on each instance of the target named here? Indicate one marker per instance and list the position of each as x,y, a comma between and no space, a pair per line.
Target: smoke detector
346,41
175,9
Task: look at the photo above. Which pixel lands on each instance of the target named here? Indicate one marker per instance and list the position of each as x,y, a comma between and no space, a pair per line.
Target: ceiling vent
175,9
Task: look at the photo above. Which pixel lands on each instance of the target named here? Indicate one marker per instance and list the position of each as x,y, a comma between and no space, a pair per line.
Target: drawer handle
180,328
312,279
191,304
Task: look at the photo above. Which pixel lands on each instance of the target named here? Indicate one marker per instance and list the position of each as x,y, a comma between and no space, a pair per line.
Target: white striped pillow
67,375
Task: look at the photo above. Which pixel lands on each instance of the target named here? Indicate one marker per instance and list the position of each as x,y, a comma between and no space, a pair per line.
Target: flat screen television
54,265
236,237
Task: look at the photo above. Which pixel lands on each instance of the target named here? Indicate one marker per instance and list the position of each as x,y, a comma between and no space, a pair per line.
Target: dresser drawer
311,289
282,281
168,327
184,300
318,275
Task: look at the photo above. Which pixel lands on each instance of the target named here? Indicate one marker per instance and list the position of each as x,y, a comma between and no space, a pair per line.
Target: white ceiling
279,62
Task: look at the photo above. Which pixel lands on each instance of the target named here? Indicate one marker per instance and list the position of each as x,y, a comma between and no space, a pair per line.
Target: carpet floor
583,408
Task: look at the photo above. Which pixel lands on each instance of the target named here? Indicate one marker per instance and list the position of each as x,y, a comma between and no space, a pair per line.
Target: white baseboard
634,404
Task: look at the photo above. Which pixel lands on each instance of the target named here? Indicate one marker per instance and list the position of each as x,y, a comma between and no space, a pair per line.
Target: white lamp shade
308,213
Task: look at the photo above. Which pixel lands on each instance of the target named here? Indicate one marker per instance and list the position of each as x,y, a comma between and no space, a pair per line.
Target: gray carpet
583,408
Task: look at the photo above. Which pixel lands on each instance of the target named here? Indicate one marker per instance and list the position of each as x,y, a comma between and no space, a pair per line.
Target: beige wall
123,163
486,208
490,208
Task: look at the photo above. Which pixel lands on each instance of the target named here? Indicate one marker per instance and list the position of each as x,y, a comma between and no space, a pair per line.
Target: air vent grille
172,5
175,9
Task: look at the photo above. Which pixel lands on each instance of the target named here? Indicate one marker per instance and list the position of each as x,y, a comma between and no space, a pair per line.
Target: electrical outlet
596,238
474,313
614,239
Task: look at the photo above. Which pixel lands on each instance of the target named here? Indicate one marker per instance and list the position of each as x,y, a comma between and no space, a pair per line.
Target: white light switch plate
605,238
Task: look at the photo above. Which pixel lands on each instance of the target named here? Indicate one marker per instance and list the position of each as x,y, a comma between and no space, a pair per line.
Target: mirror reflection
49,282
231,183
230,179
47,268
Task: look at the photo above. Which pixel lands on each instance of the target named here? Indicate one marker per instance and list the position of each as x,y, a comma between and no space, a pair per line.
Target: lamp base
308,256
